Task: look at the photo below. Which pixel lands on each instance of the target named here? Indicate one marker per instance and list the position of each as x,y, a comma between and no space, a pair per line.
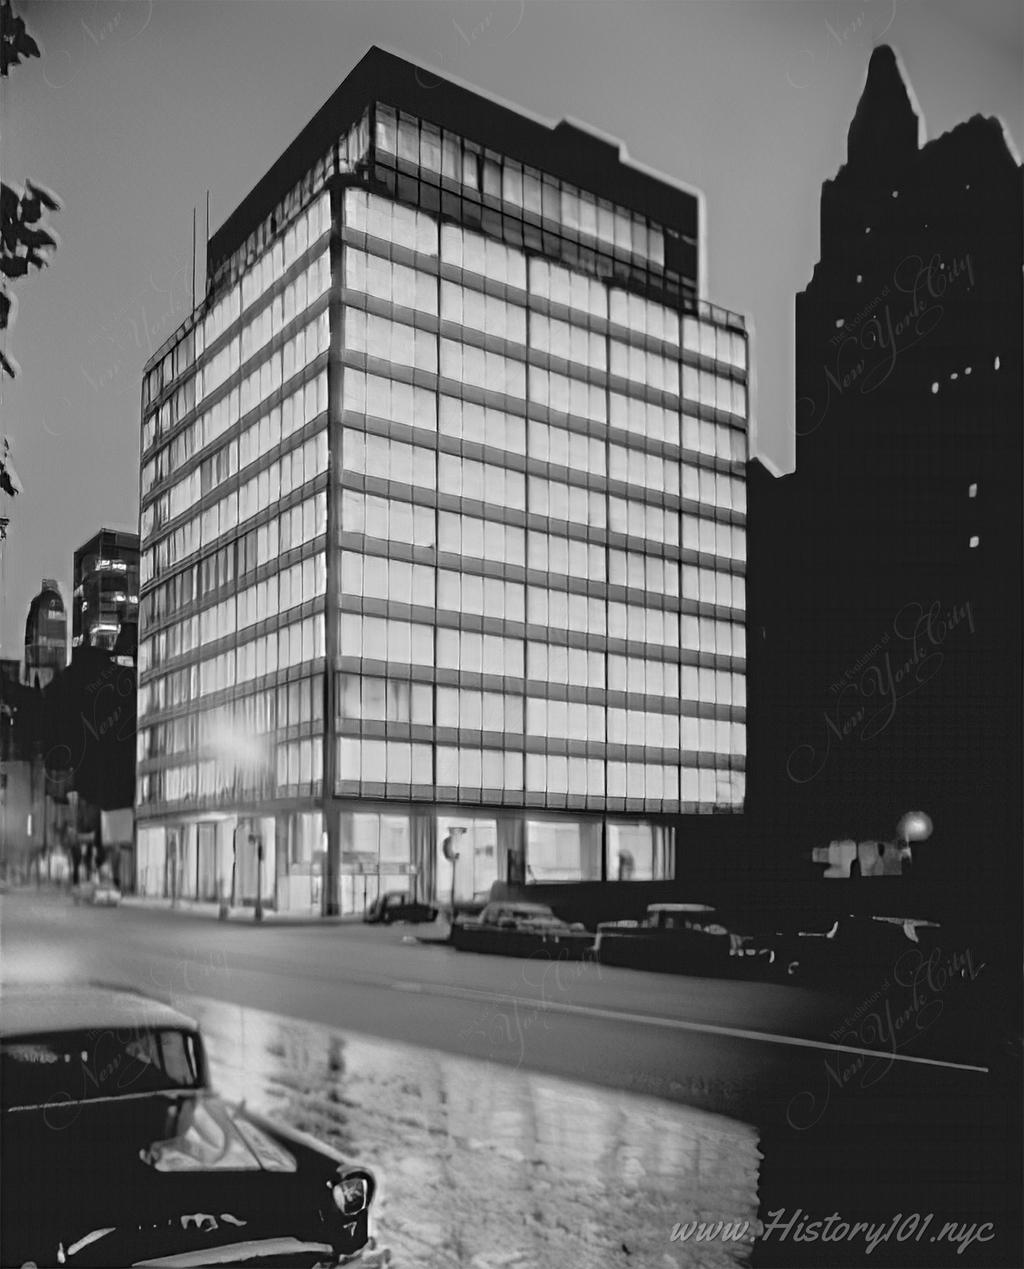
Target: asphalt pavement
906,1126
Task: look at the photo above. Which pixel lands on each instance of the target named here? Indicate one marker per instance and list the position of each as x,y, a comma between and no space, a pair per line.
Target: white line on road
679,1024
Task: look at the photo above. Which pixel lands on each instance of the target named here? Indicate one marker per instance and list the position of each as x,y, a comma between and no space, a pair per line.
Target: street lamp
249,757
452,855
915,826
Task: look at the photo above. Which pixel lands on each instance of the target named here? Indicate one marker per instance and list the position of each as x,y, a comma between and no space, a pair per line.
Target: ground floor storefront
431,851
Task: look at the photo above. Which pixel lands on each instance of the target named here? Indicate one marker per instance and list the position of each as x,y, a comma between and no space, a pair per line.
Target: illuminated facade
443,518
106,594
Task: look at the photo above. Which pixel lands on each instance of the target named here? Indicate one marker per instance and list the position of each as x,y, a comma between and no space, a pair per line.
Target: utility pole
452,855
256,839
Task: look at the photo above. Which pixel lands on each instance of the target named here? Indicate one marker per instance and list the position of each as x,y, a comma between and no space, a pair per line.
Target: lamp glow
915,826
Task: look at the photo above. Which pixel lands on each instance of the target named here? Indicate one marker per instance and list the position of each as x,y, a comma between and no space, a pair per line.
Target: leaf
14,266
46,196
37,237
15,41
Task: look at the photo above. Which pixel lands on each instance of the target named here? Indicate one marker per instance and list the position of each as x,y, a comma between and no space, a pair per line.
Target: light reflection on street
484,1166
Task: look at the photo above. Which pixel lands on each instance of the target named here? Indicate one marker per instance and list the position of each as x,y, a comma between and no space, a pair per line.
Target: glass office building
105,601
443,519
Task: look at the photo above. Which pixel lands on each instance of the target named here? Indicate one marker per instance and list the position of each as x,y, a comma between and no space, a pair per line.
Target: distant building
885,607
105,603
88,742
443,517
46,635
21,780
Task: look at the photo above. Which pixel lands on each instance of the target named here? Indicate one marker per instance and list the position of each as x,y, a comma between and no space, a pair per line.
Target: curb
235,916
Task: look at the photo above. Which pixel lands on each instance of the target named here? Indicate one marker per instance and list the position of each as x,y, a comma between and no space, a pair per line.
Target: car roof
680,907
901,920
34,1008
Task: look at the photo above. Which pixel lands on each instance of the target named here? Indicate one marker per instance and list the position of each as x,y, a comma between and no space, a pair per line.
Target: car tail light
353,1192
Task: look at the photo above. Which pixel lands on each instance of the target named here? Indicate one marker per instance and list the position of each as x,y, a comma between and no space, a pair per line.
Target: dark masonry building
885,650
88,735
443,519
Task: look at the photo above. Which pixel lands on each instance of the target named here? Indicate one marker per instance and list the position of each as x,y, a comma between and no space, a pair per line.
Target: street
590,1111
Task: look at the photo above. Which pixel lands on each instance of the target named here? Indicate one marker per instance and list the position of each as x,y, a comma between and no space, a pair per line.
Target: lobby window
304,836
384,838
559,851
632,854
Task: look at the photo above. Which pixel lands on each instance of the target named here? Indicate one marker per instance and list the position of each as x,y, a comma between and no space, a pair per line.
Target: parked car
118,1151
468,908
511,927
102,893
512,915
683,938
398,905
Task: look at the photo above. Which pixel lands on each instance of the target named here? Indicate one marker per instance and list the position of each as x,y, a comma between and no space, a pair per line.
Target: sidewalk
246,915
432,932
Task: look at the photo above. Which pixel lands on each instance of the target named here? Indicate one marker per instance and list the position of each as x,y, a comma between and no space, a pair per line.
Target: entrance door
245,864
206,882
172,886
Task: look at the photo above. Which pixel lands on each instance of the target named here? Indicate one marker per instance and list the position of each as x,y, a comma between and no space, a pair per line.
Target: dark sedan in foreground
117,1151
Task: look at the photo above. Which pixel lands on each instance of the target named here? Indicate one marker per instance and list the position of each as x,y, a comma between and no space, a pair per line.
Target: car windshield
75,1066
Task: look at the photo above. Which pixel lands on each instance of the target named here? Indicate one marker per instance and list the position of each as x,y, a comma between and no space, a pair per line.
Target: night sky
135,110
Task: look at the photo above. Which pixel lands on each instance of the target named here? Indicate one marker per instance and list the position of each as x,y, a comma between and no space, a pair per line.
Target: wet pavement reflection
483,1166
